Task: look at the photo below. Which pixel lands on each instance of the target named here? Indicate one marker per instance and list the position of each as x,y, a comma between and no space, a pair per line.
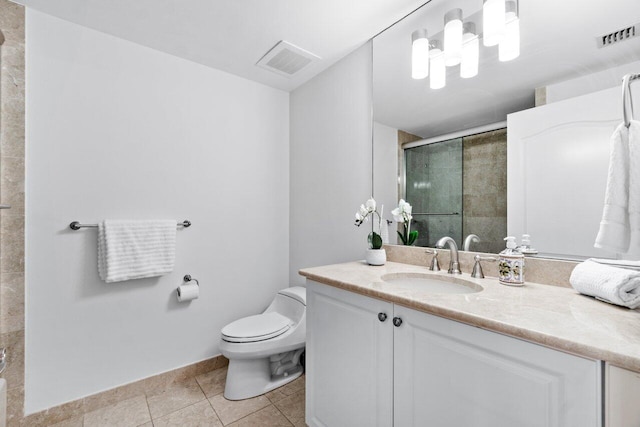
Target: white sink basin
431,283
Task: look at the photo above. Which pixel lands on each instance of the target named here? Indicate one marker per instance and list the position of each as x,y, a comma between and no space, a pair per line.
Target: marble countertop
553,316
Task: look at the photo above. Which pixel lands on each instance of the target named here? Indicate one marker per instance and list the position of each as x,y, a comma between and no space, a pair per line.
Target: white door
349,359
451,374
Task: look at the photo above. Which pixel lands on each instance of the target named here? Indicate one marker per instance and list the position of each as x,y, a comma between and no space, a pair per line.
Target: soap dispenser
511,264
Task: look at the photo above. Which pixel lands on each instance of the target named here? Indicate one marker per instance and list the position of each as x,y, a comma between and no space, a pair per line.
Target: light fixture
493,21
470,51
453,37
461,42
419,54
437,66
509,47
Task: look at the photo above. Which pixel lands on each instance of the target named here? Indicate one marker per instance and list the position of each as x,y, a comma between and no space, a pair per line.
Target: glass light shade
493,22
509,47
438,70
470,55
453,37
419,54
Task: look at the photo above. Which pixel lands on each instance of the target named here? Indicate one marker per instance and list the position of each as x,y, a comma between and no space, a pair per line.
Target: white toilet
264,350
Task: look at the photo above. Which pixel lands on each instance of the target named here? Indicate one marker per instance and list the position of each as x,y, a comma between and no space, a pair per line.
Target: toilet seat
256,328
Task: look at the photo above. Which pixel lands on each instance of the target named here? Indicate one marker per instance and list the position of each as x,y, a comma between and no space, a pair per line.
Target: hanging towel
134,249
611,284
620,226
634,188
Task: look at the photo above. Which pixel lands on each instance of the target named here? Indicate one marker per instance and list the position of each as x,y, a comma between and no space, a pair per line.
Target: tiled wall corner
12,156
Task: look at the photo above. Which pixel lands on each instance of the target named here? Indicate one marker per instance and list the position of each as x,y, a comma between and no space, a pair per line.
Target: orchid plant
403,214
366,210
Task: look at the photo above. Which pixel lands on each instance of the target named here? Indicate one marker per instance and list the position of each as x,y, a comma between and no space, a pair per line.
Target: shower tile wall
12,101
485,189
434,185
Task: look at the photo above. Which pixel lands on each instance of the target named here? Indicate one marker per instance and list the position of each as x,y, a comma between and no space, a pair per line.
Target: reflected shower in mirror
458,187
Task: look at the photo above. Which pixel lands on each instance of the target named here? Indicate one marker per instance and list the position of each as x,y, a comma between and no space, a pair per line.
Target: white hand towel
614,228
615,285
634,187
134,249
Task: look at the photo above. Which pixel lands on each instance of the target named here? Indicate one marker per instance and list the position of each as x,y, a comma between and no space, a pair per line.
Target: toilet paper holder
187,278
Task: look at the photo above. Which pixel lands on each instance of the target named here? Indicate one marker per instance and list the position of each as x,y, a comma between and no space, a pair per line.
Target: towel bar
75,225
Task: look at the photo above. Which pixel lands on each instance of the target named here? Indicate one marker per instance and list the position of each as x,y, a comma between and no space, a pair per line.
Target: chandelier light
453,37
493,23
419,54
509,47
438,69
461,42
470,51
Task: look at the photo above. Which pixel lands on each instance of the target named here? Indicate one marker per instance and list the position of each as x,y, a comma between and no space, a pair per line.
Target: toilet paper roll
188,292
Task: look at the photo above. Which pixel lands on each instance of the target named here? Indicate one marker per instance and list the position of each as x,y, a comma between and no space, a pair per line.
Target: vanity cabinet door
451,374
622,397
349,359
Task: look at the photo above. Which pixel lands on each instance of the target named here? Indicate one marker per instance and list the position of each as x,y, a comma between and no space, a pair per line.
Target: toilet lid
256,328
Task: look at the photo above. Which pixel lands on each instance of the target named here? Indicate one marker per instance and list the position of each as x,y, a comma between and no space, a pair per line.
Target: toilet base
248,378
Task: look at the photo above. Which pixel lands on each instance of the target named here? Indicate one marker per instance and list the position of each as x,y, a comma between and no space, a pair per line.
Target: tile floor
199,402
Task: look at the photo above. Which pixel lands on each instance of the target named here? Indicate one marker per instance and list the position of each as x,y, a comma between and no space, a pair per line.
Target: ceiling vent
286,59
618,36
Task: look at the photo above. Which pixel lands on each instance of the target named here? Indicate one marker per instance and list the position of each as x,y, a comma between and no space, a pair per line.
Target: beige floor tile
298,422
177,396
293,406
131,412
293,387
71,422
149,424
267,417
200,414
212,383
229,411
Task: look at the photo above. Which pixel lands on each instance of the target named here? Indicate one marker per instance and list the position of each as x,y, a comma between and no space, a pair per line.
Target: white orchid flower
371,205
403,212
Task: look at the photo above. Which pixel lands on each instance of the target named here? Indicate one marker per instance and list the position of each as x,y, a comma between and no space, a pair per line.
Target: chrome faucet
454,265
471,238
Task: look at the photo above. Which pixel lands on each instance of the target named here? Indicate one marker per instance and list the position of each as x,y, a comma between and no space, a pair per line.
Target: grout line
146,400
283,414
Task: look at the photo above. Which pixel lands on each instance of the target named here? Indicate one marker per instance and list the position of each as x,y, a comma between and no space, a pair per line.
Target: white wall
116,130
590,83
330,164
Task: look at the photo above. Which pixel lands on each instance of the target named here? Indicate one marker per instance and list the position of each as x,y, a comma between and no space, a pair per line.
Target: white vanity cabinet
349,359
622,402
415,369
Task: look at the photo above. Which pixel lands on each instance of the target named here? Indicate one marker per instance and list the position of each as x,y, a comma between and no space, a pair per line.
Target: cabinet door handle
397,321
382,317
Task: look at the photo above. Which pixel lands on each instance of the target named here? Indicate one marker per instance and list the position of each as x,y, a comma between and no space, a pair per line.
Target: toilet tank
290,302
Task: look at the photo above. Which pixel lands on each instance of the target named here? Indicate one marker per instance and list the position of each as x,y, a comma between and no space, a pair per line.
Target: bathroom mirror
560,55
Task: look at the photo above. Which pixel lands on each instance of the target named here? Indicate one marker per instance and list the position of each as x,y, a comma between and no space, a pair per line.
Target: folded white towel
620,226
134,249
612,284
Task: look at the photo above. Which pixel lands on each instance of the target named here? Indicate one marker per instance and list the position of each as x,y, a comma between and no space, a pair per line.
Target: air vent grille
286,59
618,36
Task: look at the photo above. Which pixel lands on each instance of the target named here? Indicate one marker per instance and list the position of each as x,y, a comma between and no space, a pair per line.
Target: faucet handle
435,265
477,267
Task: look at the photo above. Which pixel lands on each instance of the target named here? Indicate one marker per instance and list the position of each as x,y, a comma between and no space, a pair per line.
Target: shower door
433,187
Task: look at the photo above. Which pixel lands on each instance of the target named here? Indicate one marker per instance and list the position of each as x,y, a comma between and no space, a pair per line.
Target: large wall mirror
447,151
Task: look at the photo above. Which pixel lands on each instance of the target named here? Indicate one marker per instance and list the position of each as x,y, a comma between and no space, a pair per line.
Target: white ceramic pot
376,256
